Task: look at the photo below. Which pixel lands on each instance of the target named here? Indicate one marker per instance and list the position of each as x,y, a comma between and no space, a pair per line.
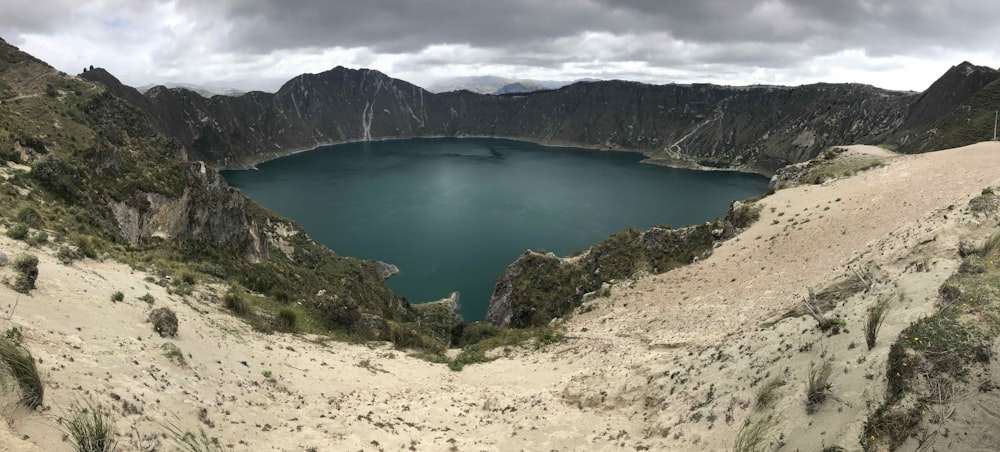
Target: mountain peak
954,87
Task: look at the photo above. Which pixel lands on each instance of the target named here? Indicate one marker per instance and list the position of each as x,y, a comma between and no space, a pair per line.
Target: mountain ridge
754,128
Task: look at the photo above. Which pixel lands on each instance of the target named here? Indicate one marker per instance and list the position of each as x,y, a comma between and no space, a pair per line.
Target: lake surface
452,213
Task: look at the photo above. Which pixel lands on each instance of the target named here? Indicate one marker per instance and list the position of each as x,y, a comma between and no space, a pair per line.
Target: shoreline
652,157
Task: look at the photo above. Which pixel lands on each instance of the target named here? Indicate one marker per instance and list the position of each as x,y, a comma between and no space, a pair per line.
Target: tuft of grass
117,296
235,302
91,429
766,394
818,386
287,320
755,436
744,214
875,318
987,202
17,363
148,298
185,441
991,246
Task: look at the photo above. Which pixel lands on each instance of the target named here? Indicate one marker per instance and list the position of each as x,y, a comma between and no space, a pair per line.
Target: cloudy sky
258,44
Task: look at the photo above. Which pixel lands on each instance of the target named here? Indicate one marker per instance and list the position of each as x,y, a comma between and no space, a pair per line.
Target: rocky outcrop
534,289
540,287
384,270
438,319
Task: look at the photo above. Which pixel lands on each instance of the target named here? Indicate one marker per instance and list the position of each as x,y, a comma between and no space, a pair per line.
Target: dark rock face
758,128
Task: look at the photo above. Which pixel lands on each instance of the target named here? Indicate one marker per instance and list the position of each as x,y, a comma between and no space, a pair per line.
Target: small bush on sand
117,296
164,322
17,363
18,231
26,266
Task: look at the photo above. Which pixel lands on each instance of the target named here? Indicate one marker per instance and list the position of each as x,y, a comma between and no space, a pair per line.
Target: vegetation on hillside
938,353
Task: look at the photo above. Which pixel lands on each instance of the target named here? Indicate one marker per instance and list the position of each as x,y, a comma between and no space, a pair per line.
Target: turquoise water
452,213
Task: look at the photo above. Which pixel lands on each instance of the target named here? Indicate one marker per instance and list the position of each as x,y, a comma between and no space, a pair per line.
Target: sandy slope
669,362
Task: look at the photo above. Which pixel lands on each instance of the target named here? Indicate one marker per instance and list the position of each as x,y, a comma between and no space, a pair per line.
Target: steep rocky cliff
758,128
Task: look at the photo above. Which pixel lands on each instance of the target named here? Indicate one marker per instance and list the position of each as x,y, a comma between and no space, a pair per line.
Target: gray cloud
793,41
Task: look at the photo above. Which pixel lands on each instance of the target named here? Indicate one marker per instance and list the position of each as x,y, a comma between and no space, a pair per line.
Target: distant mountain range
202,90
490,84
754,128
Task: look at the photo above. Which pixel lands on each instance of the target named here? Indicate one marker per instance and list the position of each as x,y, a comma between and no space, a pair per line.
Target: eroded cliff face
757,128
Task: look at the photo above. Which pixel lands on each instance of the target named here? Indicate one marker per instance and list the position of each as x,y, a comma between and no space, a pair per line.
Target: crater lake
452,213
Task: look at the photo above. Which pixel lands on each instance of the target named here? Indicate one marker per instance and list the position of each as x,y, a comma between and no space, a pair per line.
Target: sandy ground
667,362
867,149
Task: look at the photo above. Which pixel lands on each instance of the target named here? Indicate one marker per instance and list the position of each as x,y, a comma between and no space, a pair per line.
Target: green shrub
405,336
211,268
85,245
17,363
147,298
40,238
18,231
27,267
67,255
117,296
164,322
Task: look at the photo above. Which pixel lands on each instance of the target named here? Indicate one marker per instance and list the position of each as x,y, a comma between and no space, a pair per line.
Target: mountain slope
102,180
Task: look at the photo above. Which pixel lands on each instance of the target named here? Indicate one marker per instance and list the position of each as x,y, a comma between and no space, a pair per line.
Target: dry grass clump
91,429
185,441
755,436
991,246
767,392
875,318
818,386
17,365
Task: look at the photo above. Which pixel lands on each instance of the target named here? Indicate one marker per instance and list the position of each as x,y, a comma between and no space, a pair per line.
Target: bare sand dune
667,362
